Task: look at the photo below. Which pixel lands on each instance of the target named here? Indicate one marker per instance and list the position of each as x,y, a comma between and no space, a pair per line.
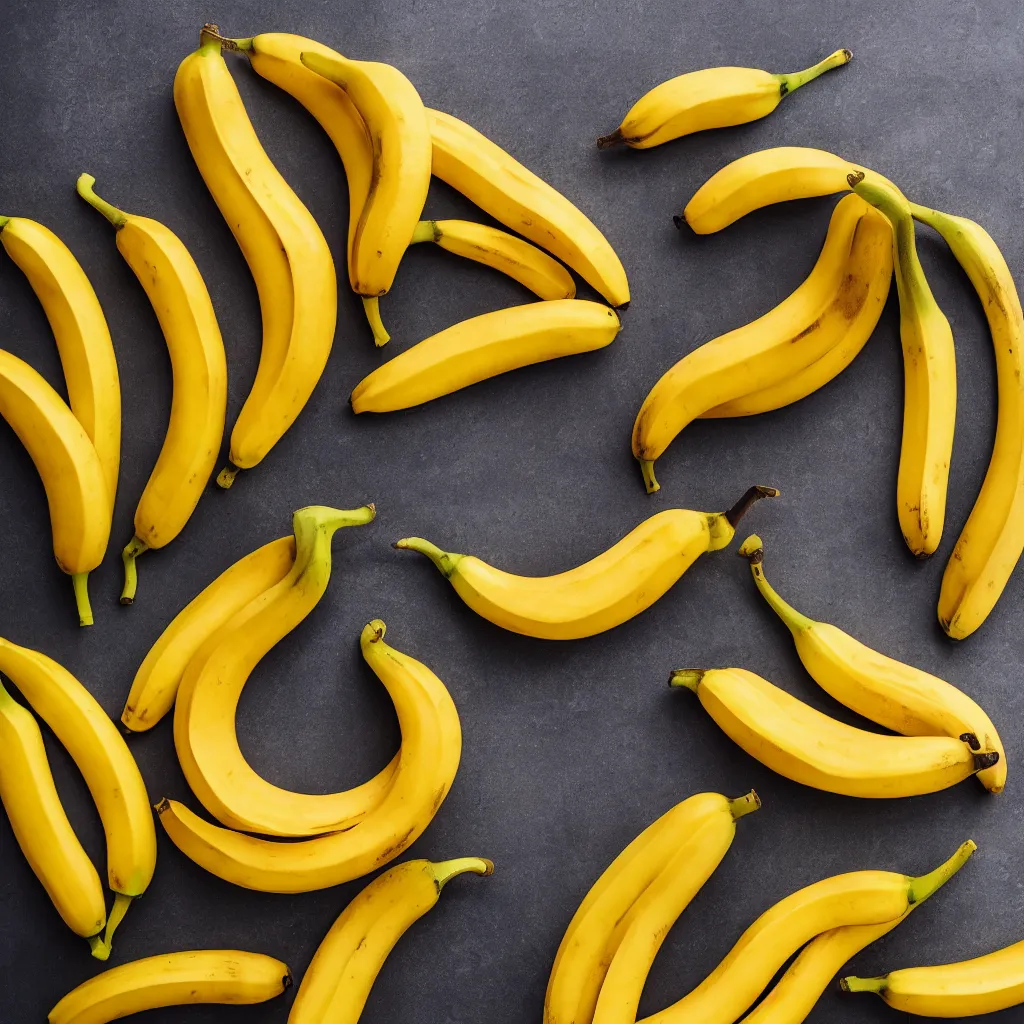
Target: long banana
710,98
336,985
602,593
285,249
804,745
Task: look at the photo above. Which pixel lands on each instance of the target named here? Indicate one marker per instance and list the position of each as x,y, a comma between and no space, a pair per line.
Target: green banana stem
446,561
446,870
116,916
923,887
99,948
241,45
752,549
426,231
315,525
84,187
855,984
80,582
791,82
371,307
688,677
210,38
743,805
132,550
4,222
226,477
647,469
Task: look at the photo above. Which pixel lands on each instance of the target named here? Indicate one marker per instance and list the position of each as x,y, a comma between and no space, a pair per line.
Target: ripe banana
182,305
991,543
855,898
72,474
804,745
929,372
338,981
428,760
711,98
602,593
285,249
485,346
173,979
841,299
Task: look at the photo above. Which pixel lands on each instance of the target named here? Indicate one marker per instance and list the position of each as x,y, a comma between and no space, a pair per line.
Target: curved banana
855,898
602,593
173,979
483,347
199,371
802,744
929,389
710,98
428,760
69,467
285,249
514,196
904,699
841,298
336,985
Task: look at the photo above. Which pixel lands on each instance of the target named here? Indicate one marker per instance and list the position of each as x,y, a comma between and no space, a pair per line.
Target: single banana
199,371
514,196
929,380
485,346
338,981
802,744
602,593
855,898
991,543
285,249
173,979
904,699
711,98
842,297
428,760
72,474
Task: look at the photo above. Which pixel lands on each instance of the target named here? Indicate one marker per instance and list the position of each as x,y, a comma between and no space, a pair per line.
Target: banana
514,196
602,593
285,249
338,981
173,979
42,828
80,330
929,372
855,898
428,760
842,298
991,543
182,305
72,474
904,699
485,346
802,744
711,98
106,764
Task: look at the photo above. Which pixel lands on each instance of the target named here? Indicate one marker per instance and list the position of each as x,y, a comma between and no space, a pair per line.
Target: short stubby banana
842,297
710,98
285,249
600,594
173,979
485,346
338,981
802,744
72,474
514,196
178,294
855,898
929,381
428,760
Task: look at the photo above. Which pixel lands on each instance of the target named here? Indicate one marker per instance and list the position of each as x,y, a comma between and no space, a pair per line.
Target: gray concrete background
570,749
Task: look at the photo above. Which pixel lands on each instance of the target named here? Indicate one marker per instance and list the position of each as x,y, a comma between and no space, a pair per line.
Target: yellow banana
802,744
485,346
173,979
904,699
428,760
285,249
929,381
842,297
602,593
855,898
345,966
69,467
514,196
710,98
182,305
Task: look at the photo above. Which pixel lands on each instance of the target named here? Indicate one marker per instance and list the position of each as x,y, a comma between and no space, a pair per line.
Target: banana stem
611,139
791,82
242,45
209,36
923,887
446,870
99,948
116,916
84,187
80,582
855,984
426,231
743,805
131,577
371,307
647,469
755,493
226,477
753,550
3,222
688,677
444,560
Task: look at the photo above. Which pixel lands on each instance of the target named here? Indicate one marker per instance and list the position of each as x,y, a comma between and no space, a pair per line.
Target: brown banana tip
752,494
488,865
623,307
971,740
679,222
847,53
127,601
612,139
986,760
287,981
163,806
855,178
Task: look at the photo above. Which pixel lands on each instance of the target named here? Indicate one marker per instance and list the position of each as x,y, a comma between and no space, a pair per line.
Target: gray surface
570,749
